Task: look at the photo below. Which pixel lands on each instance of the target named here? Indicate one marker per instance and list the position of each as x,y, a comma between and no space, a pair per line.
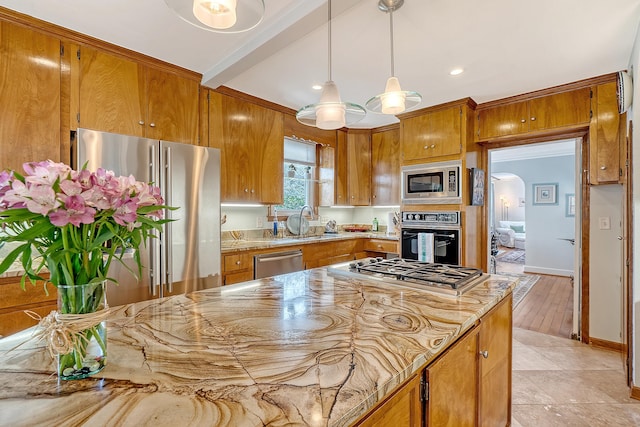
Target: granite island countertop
307,348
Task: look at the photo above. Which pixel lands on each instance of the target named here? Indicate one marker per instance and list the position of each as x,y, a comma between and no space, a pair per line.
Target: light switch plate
604,223
259,222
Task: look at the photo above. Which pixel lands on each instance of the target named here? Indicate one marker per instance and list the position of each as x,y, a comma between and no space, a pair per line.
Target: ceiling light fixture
220,16
330,113
456,71
394,100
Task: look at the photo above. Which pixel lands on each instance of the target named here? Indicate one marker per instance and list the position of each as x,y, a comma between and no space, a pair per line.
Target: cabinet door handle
141,122
152,125
426,147
237,262
484,354
523,120
246,190
533,119
603,167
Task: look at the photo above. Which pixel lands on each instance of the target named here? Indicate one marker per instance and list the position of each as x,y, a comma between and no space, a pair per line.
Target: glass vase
89,354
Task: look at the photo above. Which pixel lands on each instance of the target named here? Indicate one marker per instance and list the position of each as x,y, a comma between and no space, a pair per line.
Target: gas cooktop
441,278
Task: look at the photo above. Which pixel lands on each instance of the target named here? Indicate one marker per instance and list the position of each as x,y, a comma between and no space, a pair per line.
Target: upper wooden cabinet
29,96
606,134
385,168
251,139
538,114
359,167
432,134
345,171
124,96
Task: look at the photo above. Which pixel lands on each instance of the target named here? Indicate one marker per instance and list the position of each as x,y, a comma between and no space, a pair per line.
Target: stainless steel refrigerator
186,256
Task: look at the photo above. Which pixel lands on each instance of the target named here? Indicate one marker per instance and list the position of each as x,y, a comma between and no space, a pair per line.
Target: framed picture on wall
571,205
477,187
545,194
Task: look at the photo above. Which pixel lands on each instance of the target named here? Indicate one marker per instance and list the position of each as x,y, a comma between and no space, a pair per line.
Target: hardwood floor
548,307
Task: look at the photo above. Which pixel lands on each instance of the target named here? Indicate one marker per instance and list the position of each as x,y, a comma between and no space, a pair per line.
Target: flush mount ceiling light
220,16
330,113
394,100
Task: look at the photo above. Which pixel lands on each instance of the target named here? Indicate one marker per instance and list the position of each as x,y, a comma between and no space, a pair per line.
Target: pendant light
394,100
330,113
221,16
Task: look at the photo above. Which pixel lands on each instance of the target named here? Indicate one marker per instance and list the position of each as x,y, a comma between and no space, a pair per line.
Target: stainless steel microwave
432,183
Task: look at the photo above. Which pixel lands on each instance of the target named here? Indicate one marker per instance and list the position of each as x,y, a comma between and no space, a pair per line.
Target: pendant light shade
330,113
221,16
394,100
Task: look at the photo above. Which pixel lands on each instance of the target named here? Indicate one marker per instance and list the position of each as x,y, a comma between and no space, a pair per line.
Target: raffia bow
63,332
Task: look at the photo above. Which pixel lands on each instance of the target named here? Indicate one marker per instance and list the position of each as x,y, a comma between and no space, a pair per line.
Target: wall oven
431,236
431,183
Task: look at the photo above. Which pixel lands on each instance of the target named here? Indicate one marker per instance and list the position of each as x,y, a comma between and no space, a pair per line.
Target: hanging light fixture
221,16
394,100
330,113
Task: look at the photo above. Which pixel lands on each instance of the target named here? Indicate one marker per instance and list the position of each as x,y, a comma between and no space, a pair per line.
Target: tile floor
561,382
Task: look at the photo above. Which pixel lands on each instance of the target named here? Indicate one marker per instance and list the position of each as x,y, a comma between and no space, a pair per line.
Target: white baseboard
550,271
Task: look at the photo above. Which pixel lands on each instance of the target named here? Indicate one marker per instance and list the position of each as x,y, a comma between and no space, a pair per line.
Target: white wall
546,225
605,263
634,115
511,190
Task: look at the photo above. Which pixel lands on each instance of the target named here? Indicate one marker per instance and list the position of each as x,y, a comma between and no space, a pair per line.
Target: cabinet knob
237,262
484,354
253,191
603,167
523,120
353,197
152,125
246,190
533,119
380,246
426,147
374,196
141,122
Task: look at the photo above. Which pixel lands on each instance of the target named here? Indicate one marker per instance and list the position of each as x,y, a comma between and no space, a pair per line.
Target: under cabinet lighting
241,205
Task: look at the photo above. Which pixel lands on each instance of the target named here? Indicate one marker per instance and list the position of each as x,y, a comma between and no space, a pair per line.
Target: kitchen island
307,348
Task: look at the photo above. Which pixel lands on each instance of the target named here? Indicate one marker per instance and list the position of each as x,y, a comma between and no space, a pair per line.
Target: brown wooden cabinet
237,268
494,344
29,96
470,384
381,246
123,96
606,136
14,301
345,171
535,115
251,139
401,409
434,133
359,167
385,167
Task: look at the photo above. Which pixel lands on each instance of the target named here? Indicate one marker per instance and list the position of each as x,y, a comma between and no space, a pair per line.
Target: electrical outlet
604,223
259,222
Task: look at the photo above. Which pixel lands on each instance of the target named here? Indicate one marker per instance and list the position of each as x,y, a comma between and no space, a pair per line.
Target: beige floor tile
560,382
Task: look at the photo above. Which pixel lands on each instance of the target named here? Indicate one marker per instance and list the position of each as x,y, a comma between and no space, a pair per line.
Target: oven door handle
408,234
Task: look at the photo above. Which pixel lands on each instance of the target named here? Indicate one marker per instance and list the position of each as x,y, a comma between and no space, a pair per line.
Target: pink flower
45,173
75,212
126,211
96,198
41,199
17,196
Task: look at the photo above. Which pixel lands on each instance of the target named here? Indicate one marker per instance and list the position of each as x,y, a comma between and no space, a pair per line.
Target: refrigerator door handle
153,269
152,276
168,227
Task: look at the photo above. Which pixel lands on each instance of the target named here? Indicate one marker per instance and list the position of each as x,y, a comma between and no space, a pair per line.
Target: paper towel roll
425,247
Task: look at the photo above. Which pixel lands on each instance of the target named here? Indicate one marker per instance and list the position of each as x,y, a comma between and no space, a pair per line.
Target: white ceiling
506,47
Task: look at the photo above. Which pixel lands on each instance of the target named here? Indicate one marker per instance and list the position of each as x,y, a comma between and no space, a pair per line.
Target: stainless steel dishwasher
267,265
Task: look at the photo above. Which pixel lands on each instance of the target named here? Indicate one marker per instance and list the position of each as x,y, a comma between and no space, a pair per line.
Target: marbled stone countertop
306,348
229,246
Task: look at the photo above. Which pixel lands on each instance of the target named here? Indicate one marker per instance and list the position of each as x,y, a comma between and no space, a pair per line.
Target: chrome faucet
300,219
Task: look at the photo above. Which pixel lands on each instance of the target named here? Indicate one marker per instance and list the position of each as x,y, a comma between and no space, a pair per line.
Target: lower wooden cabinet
237,268
14,301
402,408
470,384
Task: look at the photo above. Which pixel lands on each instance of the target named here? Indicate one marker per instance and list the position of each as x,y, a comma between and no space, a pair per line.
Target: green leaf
12,256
